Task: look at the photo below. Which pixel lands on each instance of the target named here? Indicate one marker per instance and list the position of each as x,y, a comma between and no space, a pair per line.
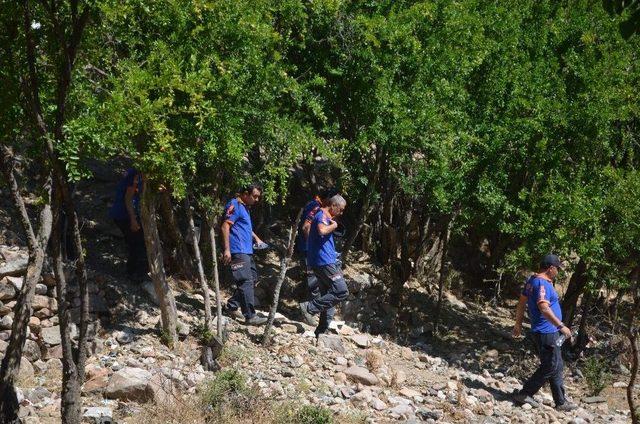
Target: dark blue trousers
333,290
550,369
244,274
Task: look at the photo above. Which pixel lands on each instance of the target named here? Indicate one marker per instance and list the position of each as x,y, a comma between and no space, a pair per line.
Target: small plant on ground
292,413
373,360
596,374
229,398
202,332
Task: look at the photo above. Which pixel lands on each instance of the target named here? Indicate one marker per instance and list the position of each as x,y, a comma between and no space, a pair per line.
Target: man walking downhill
304,226
322,258
546,325
125,212
237,239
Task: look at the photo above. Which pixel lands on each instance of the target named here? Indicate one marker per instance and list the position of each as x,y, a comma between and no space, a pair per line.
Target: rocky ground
379,364
355,374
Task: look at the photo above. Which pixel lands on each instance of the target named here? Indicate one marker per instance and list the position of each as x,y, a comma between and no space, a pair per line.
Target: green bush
311,414
596,375
291,413
225,386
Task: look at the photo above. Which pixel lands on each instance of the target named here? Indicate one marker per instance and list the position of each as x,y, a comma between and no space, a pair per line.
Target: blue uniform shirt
308,213
118,210
539,290
320,249
241,231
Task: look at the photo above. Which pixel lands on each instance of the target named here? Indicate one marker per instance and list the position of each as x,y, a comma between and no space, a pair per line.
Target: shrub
311,414
596,375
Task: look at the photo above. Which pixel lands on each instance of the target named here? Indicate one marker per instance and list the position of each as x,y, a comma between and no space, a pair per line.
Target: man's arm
128,203
306,228
225,228
517,329
324,229
257,239
546,311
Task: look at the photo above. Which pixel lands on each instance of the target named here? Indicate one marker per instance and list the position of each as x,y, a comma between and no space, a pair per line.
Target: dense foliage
514,126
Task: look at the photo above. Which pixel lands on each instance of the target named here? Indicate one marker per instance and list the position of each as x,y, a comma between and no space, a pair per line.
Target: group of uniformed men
315,245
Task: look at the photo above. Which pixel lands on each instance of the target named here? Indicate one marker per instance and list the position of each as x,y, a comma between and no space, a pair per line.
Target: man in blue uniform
323,260
308,213
545,314
237,240
125,212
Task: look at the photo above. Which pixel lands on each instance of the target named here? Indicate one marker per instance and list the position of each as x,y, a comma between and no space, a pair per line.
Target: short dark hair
248,188
328,193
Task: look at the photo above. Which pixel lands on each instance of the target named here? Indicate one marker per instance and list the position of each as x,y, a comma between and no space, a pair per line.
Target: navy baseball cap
551,260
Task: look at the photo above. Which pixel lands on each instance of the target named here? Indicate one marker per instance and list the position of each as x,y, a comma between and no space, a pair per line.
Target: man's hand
135,227
517,331
567,332
226,257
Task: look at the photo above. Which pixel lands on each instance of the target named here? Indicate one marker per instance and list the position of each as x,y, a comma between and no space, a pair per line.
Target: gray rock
361,375
32,351
14,267
359,282
6,322
16,282
51,335
150,289
331,341
7,290
130,384
124,337
41,289
99,414
37,395
361,340
26,369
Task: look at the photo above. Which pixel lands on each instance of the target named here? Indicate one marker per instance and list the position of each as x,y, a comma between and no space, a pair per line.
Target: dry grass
186,410
373,359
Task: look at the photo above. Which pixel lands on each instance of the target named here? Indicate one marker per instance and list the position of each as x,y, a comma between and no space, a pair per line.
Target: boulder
361,340
42,302
99,414
14,267
26,371
361,375
332,342
32,350
130,384
6,322
7,290
51,335
41,289
150,289
16,282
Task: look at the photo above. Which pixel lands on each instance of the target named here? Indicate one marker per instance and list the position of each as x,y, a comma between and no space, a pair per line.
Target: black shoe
255,320
521,399
306,316
567,407
232,313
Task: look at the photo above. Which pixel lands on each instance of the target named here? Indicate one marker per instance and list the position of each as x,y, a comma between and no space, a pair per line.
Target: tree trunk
444,268
173,231
13,354
156,264
196,250
576,287
216,277
284,264
633,340
70,397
